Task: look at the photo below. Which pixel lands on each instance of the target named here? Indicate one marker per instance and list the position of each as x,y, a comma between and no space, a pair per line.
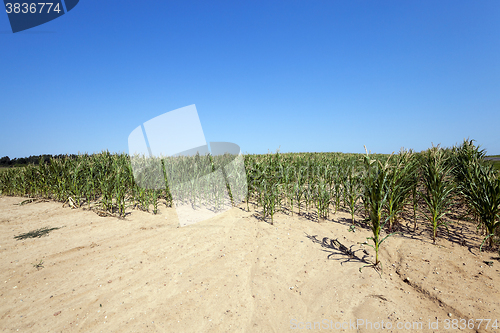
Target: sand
234,273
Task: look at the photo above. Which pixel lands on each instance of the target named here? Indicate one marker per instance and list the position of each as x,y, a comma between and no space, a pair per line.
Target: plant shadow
334,247
36,233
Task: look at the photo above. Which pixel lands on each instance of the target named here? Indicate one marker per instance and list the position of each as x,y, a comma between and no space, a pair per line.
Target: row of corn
377,187
432,184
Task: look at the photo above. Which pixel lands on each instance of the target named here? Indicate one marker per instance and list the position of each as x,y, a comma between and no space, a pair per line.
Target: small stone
449,314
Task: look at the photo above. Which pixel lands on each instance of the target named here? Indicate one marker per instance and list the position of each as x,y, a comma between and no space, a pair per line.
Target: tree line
6,162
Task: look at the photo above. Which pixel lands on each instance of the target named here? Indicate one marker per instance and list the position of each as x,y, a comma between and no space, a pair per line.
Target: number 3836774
31,8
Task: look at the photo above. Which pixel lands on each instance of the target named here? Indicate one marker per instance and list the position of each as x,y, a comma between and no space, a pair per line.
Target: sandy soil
233,273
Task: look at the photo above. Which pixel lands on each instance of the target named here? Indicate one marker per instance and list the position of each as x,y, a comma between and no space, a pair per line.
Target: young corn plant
323,200
143,199
249,193
376,190
89,188
481,189
279,197
414,194
463,160
299,189
74,181
288,186
155,196
337,187
400,180
270,201
438,188
308,195
120,193
352,191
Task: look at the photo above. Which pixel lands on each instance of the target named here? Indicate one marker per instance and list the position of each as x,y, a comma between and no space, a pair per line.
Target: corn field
375,188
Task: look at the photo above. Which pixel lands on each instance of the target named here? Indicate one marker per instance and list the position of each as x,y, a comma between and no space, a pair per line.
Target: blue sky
312,76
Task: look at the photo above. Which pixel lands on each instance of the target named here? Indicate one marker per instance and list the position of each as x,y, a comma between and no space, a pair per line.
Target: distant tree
20,161
33,160
5,161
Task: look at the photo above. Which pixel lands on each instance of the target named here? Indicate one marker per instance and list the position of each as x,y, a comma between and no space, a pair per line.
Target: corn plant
155,195
288,186
299,189
308,195
375,194
400,180
481,188
464,157
415,179
337,187
323,200
120,192
352,190
252,185
291,195
439,189
463,160
270,201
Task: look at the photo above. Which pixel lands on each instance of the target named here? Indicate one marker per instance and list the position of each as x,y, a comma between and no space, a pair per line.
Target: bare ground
235,273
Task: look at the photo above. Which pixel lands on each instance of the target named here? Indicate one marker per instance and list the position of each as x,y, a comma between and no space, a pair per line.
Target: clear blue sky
301,75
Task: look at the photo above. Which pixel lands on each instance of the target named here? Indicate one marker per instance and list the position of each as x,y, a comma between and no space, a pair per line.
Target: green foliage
101,181
38,265
375,194
352,190
439,189
300,182
400,183
481,188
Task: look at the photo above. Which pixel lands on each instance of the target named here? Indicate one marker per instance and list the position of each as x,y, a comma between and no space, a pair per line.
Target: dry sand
232,273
